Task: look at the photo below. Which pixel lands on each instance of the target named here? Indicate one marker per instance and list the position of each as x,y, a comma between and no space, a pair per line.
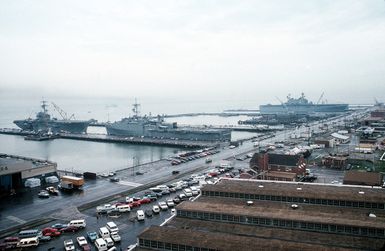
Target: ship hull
119,129
303,109
55,126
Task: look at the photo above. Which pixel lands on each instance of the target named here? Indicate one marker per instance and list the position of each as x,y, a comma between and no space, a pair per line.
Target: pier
113,139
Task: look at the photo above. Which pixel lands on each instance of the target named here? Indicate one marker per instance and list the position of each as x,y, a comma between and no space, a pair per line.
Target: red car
70,229
145,201
134,204
49,231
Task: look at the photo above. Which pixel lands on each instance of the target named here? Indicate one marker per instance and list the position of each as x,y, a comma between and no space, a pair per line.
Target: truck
71,182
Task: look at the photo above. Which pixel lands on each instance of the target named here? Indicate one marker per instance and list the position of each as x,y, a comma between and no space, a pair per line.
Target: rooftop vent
249,203
372,215
361,192
294,206
260,186
299,188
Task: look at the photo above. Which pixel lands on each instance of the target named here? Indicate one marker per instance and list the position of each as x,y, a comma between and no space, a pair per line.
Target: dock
112,139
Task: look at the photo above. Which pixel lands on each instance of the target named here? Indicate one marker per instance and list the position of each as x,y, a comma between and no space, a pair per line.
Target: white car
81,240
156,209
69,245
115,237
109,242
163,205
170,203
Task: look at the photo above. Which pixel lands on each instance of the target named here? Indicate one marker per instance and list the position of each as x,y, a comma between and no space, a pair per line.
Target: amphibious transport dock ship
155,127
301,106
44,122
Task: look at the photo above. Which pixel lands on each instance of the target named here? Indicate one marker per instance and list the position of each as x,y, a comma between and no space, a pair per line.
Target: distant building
363,178
261,215
338,162
273,166
327,142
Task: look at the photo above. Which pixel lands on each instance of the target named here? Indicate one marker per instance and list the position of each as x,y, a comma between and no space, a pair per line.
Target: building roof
339,136
13,164
363,178
285,175
308,190
223,241
283,159
299,236
282,210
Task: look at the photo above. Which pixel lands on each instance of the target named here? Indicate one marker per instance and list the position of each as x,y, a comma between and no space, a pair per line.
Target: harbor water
81,156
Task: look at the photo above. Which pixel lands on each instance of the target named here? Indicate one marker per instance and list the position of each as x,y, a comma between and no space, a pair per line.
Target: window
147,243
355,204
380,232
154,244
160,244
182,247
303,225
174,247
380,205
342,203
282,223
333,228
324,202
141,242
372,231
325,227
317,226
275,222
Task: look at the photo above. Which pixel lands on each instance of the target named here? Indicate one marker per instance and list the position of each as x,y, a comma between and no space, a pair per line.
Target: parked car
43,194
176,200
145,200
81,240
156,209
163,205
49,231
92,236
52,190
115,237
175,172
69,245
44,238
148,213
59,225
170,203
114,179
68,229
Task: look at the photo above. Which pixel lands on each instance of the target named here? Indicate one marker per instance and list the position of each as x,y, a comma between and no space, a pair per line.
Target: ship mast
135,108
44,106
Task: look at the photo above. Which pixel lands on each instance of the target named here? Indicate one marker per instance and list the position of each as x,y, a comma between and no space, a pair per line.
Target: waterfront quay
113,139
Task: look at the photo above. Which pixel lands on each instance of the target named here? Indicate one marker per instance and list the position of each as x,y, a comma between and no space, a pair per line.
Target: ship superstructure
156,127
302,106
44,123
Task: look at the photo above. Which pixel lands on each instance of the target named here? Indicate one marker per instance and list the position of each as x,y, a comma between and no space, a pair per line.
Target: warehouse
14,170
237,214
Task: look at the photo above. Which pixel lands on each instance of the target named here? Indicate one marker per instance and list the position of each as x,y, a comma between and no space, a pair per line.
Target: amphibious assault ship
44,122
155,127
302,106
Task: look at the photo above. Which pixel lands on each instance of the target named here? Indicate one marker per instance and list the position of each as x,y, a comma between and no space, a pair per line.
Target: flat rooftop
299,236
308,190
224,241
11,164
283,210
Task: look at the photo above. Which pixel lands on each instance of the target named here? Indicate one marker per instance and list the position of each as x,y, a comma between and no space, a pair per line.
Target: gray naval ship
302,106
155,127
44,122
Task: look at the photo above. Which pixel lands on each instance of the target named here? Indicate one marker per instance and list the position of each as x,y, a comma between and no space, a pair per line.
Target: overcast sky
206,49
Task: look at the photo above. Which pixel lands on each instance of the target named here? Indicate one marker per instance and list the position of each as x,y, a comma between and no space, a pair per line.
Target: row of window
318,227
339,203
159,245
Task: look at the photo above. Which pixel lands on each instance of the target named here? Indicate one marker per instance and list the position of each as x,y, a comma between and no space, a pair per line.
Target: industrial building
14,170
282,167
239,214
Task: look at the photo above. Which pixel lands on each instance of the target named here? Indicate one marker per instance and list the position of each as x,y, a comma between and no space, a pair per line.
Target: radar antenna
62,113
135,108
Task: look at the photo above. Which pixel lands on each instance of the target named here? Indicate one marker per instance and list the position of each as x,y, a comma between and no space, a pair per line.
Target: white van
112,227
123,208
140,215
109,242
187,192
103,232
28,242
78,223
100,244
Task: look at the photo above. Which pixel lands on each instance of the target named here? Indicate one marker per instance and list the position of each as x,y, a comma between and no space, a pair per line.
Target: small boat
52,190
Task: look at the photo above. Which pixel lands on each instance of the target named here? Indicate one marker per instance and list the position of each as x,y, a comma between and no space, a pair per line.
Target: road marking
128,183
14,218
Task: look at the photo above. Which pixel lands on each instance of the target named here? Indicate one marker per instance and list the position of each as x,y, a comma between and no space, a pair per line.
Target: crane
320,97
62,113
